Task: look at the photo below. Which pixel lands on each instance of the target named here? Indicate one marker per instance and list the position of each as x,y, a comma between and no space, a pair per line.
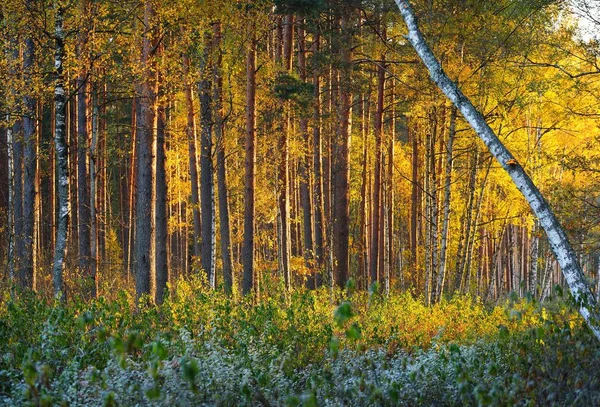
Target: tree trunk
160,208
27,275
83,187
374,266
447,196
556,236
144,187
207,181
190,131
228,271
60,130
304,158
283,187
341,156
93,264
249,279
317,163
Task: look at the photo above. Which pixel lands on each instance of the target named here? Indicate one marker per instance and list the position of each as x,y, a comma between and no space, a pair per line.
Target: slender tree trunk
363,248
534,259
556,236
60,127
374,266
161,236
447,201
317,163
83,183
341,156
207,181
304,158
93,153
228,271
414,202
249,278
191,138
27,275
283,186
144,187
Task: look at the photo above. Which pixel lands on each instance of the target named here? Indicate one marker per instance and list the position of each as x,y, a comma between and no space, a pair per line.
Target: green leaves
342,313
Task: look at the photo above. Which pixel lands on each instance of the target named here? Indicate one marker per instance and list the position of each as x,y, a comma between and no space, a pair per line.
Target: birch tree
62,161
557,238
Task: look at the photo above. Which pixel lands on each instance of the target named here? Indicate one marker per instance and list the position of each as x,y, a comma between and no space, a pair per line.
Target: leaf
342,313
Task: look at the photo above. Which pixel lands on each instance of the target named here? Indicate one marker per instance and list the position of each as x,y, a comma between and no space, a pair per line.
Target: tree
144,187
60,143
219,128
249,277
557,238
27,275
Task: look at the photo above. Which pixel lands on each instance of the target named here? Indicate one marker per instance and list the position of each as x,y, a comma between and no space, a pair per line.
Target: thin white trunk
557,238
64,210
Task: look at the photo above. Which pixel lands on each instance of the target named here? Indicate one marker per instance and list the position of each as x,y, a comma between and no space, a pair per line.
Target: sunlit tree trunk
207,181
190,131
441,277
557,238
283,187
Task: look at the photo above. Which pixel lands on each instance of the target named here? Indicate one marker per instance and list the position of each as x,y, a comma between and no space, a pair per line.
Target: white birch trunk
556,236
64,210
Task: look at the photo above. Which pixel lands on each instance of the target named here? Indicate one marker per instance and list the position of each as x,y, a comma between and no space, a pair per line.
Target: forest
299,202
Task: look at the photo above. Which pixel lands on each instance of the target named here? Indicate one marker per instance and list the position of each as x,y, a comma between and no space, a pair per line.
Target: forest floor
306,348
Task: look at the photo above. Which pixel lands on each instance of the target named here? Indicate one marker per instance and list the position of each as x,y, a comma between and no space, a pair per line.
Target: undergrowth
306,348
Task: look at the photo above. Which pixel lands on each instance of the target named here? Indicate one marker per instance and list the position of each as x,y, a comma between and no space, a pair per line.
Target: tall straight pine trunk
219,129
144,187
249,277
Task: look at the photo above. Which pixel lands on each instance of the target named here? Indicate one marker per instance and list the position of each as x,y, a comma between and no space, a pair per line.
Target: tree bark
341,156
190,131
207,181
144,187
228,271
62,169
374,266
160,208
93,153
441,277
27,275
249,279
557,238
83,180
304,158
317,163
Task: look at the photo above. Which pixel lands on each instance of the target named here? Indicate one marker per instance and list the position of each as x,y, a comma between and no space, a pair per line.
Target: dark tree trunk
27,275
249,280
341,155
160,208
228,272
144,187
